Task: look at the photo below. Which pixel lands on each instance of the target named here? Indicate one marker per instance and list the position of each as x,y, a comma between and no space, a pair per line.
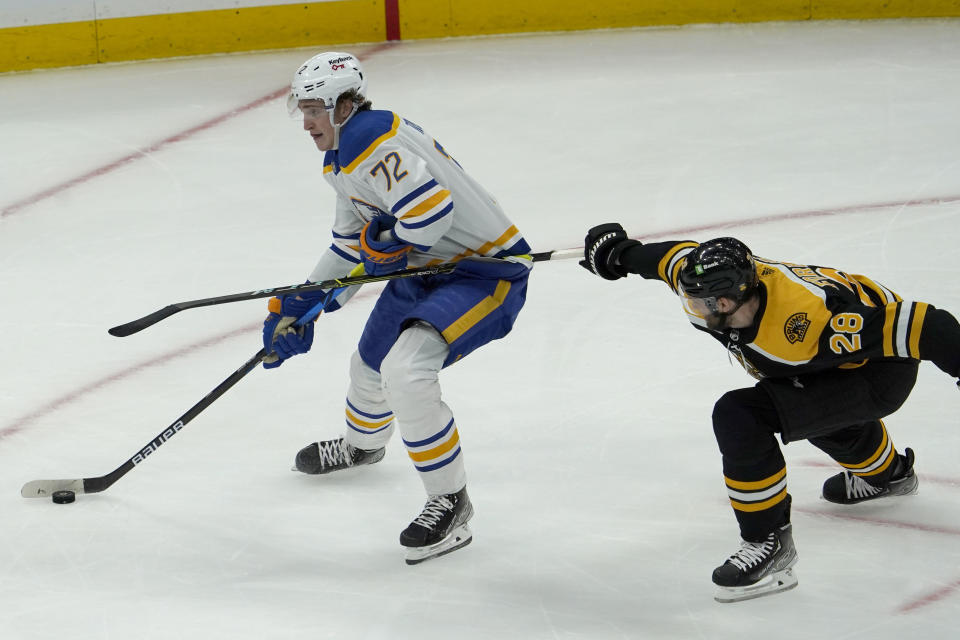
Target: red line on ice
800,215
58,403
930,598
136,155
931,478
20,423
881,522
139,154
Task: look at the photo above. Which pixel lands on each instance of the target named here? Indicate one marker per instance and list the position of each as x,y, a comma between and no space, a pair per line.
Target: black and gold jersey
810,318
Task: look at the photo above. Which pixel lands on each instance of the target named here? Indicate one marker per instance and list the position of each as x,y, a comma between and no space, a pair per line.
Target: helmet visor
306,108
698,305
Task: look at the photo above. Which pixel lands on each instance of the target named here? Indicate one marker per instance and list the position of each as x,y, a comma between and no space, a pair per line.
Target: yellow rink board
194,33
351,21
48,45
872,9
431,19
274,27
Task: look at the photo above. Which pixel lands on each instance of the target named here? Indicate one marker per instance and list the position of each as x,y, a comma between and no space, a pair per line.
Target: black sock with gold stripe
865,450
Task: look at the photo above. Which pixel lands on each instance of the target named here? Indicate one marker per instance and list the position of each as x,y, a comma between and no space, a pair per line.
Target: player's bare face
316,122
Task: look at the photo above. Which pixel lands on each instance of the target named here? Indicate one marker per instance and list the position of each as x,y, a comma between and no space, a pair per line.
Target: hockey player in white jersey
401,201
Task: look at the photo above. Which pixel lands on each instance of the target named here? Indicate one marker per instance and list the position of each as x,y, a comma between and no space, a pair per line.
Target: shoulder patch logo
796,327
766,271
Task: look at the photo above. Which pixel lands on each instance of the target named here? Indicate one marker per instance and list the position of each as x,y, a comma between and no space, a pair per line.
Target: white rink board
21,13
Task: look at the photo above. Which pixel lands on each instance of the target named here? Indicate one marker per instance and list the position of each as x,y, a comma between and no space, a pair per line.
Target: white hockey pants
408,389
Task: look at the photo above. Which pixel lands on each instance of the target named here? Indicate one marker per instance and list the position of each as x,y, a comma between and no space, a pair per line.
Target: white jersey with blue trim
389,165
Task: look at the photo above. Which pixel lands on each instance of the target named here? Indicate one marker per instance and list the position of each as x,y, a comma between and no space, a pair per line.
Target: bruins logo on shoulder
796,327
766,271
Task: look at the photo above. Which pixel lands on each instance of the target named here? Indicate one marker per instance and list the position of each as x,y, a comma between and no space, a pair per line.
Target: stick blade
124,330
45,488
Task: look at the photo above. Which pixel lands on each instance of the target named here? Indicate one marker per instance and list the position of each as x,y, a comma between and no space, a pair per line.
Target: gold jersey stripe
427,204
863,295
881,291
373,146
480,311
675,275
886,463
499,242
837,277
757,484
876,454
436,452
484,249
465,254
365,423
890,317
665,262
916,328
853,365
759,506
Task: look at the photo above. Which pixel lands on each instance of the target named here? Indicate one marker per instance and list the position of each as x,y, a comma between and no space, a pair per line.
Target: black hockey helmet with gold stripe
722,267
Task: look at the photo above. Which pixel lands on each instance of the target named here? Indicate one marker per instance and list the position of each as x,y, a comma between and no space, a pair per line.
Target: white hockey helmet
326,77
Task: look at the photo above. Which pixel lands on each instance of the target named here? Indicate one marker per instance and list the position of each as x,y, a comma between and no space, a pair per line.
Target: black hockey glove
602,248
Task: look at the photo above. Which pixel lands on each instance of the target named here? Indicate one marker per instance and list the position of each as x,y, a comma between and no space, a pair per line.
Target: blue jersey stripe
330,160
372,416
519,248
433,438
442,463
367,431
428,221
343,254
420,247
405,200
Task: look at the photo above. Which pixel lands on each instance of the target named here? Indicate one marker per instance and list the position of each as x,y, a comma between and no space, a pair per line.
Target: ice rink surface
601,509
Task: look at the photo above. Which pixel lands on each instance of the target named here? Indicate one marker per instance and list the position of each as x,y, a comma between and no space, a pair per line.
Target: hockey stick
150,319
45,488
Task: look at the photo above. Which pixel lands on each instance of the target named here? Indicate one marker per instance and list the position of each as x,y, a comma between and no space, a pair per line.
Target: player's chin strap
337,127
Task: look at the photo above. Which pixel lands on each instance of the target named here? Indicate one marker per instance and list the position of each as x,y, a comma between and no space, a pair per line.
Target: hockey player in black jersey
834,353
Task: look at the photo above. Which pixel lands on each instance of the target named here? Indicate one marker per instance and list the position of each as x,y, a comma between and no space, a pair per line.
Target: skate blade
459,537
773,583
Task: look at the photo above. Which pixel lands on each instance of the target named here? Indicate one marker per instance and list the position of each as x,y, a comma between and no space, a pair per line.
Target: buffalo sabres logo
796,327
366,209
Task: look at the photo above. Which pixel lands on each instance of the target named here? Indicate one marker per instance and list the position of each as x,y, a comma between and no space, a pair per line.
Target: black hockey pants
838,411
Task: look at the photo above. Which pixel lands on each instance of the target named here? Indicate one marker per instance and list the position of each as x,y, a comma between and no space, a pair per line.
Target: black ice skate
758,569
846,488
334,455
440,528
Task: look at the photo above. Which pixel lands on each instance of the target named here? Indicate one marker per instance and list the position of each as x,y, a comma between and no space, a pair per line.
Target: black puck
63,497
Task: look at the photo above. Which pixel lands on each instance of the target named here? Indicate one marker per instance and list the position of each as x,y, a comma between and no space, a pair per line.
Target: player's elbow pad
940,340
